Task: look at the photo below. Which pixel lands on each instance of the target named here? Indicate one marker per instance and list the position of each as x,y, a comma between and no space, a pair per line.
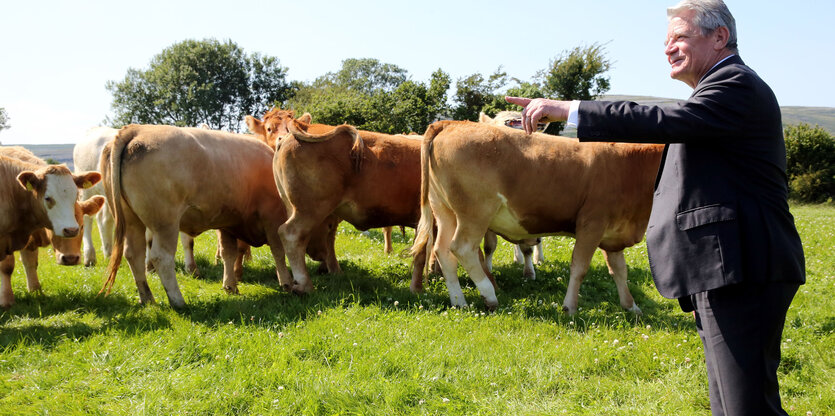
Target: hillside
59,152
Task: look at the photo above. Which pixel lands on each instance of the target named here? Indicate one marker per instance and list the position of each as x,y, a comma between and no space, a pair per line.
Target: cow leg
445,219
135,247
538,255
518,255
295,235
188,254
418,266
29,258
229,253
617,268
162,257
527,255
87,242
243,254
106,224
584,247
6,269
330,250
464,246
149,243
277,250
387,238
491,241
218,257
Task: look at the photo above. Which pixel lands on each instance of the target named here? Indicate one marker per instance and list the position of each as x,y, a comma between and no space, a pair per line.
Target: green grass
362,344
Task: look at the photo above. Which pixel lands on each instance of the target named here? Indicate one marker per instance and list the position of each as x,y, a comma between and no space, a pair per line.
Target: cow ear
305,118
255,126
484,118
86,180
29,180
92,205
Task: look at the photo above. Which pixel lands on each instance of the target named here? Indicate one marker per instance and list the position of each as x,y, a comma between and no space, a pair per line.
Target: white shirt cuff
573,114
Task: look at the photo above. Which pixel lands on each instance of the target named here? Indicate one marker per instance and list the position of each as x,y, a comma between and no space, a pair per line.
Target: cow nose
70,232
69,259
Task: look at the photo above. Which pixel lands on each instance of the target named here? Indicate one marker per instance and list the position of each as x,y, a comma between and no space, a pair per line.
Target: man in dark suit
720,238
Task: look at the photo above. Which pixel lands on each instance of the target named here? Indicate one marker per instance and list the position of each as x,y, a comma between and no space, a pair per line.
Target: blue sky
57,56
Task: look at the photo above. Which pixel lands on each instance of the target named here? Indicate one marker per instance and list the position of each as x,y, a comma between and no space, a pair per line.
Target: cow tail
424,234
296,129
111,166
357,149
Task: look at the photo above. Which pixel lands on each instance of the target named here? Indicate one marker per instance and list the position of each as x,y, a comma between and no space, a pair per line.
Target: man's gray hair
710,15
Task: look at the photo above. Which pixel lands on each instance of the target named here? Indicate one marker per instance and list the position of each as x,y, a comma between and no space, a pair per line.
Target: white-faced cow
477,177
169,179
369,179
34,197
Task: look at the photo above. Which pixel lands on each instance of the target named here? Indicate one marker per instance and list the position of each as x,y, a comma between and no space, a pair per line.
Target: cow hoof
569,311
90,263
635,309
232,290
302,289
416,289
490,305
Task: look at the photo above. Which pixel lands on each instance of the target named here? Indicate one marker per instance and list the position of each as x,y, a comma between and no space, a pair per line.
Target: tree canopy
200,81
216,83
374,96
4,119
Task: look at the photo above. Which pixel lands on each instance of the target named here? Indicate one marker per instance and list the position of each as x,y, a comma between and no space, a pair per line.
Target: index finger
520,101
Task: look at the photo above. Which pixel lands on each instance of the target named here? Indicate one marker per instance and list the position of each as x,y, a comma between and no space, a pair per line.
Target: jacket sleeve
716,111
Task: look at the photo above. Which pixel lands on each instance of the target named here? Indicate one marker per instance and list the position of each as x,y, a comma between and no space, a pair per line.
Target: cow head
512,119
55,189
68,250
275,125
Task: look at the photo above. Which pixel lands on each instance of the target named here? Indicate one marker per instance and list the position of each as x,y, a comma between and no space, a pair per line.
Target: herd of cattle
291,183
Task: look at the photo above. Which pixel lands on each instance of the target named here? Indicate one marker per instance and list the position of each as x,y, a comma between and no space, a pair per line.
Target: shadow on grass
265,303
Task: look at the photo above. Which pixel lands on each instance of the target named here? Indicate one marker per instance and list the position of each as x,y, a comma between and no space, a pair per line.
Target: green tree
577,74
475,92
4,119
194,82
374,96
810,163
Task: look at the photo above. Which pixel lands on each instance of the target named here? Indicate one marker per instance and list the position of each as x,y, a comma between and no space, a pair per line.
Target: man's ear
29,180
720,38
255,126
87,179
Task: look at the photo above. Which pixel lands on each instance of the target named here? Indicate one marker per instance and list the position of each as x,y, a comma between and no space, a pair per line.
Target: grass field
362,344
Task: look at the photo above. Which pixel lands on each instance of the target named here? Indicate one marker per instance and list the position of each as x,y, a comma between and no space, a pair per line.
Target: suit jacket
720,212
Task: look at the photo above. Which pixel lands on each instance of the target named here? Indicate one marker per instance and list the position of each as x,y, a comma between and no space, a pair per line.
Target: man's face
689,53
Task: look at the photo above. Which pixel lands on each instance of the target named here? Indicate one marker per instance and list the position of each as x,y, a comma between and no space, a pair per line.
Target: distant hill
822,116
62,153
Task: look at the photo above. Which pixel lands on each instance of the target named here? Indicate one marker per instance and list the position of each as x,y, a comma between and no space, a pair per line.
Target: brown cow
477,177
169,179
274,127
34,196
369,179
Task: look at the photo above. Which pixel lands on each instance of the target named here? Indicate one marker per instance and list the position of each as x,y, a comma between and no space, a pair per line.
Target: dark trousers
741,328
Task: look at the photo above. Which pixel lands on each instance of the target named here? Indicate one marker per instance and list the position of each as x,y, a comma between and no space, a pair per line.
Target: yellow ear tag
87,184
29,186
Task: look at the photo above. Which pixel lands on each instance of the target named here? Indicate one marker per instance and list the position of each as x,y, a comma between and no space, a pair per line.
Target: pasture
362,344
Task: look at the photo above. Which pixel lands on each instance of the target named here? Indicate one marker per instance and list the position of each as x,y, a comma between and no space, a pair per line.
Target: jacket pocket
708,214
